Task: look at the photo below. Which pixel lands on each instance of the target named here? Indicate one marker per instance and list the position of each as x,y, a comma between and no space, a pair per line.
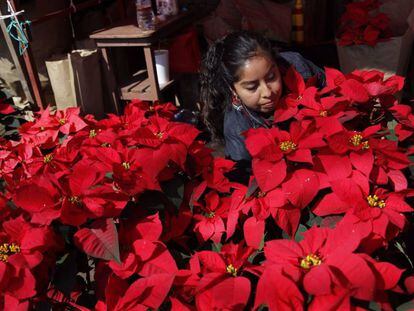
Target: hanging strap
11,15
16,29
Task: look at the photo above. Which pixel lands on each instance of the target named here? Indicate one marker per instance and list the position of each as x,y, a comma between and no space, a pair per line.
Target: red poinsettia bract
325,264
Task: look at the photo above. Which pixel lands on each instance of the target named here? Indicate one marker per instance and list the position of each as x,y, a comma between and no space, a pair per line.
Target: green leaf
374,306
401,248
262,243
262,307
313,220
100,240
406,306
2,130
260,249
252,188
62,139
330,221
391,125
216,247
252,257
299,233
184,256
62,259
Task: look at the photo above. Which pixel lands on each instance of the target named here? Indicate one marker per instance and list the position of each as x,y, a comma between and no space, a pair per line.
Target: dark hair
220,71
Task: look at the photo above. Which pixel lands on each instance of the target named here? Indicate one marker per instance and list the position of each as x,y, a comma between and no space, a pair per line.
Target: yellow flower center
310,261
210,215
375,201
62,121
287,146
357,140
126,165
261,194
74,200
365,145
105,145
299,97
92,134
151,108
48,158
231,270
323,113
159,135
7,249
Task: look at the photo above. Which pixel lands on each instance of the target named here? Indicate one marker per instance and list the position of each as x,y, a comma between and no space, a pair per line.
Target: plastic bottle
167,7
145,15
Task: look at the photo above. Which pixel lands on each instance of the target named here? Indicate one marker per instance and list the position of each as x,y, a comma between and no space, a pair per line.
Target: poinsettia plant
133,212
12,116
361,23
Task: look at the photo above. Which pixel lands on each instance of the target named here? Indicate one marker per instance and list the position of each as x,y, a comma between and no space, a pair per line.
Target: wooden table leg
110,80
152,72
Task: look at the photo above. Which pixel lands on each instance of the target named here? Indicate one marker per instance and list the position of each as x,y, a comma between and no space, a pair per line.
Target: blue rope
15,31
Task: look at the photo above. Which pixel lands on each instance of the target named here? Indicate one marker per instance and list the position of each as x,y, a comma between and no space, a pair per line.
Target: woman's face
260,84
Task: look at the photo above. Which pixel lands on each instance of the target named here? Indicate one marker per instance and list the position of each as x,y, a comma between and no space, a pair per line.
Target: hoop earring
236,102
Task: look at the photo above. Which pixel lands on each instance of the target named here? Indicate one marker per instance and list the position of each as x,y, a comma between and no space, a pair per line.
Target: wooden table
144,84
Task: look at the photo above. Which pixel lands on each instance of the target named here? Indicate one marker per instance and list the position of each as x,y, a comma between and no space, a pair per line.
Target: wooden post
110,80
298,32
16,60
152,72
31,71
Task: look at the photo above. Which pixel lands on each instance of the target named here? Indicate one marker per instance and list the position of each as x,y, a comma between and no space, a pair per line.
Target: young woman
241,84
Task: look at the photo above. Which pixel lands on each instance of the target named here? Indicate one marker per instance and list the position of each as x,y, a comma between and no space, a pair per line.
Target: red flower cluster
27,254
133,212
362,24
326,265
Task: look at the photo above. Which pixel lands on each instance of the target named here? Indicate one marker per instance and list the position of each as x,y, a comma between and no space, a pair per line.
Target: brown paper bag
86,81
59,71
391,57
76,81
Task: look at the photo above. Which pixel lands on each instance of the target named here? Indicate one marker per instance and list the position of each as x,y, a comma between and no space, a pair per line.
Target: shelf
127,32
139,87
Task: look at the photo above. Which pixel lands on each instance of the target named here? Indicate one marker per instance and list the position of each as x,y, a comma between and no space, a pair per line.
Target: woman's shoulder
234,123
305,67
